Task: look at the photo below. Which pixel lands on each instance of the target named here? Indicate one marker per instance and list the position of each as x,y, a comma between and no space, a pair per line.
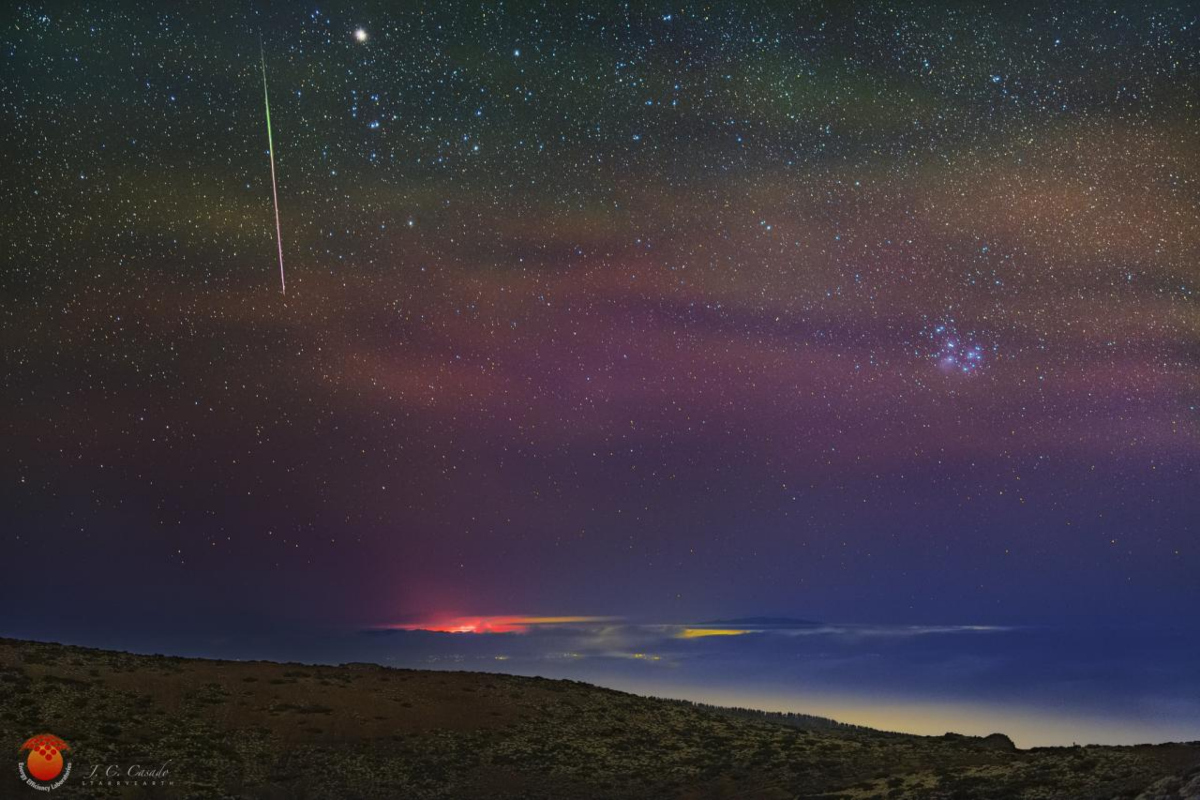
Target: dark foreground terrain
259,729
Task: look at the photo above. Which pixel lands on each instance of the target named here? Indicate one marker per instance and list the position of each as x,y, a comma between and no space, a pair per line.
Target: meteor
271,150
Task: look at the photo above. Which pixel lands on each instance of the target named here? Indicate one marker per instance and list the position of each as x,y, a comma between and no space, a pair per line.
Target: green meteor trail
274,188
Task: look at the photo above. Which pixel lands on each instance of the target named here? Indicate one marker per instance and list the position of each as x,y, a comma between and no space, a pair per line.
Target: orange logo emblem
45,761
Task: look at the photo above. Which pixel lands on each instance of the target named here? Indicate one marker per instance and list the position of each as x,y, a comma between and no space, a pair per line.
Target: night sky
662,312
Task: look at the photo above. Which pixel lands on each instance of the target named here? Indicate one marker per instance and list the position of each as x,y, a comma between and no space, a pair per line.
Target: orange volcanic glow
495,624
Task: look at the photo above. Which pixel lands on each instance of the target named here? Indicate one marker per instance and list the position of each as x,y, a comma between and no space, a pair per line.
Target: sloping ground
259,729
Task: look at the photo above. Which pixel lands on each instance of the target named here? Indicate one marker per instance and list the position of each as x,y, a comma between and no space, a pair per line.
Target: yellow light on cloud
699,633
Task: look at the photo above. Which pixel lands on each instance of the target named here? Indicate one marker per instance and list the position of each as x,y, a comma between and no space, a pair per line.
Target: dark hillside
260,729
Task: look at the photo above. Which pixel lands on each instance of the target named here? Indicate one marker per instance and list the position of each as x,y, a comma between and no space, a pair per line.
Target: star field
880,313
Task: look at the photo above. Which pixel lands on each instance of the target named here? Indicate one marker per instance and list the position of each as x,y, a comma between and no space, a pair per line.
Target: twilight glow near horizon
877,315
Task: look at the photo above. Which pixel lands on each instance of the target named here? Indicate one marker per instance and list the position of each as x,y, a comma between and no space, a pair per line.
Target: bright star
360,35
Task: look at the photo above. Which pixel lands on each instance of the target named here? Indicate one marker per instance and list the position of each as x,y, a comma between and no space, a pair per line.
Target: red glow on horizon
492,624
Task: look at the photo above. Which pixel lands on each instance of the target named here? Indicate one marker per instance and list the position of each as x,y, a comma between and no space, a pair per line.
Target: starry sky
661,312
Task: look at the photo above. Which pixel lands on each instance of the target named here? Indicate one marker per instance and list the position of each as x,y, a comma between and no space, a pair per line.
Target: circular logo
44,767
